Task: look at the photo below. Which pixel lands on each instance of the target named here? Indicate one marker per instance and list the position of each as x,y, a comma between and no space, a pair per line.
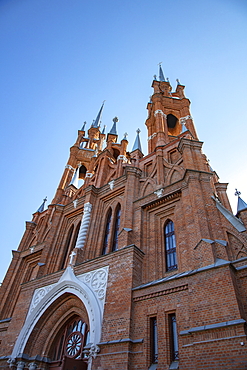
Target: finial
83,127
125,136
42,207
137,143
103,131
167,79
155,77
114,126
237,193
178,82
97,121
161,74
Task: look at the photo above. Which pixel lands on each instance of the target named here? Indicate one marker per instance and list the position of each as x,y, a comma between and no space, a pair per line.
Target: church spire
114,126
42,207
161,74
137,143
96,122
241,204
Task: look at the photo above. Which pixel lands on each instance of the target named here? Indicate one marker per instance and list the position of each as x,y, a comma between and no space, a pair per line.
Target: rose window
74,344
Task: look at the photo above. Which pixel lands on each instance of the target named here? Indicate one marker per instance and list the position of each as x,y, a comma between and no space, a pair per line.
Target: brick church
137,263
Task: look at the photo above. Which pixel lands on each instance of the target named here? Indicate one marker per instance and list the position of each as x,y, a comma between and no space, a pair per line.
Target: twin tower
137,263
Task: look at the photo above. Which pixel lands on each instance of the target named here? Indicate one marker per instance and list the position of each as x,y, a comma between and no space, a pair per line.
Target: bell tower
168,113
81,155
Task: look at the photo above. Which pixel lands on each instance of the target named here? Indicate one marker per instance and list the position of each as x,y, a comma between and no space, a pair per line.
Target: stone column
84,226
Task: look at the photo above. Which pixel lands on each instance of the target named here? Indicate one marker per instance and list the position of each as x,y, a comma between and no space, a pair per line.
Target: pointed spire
125,136
42,207
103,131
137,143
241,204
114,126
161,74
184,129
75,178
96,122
83,126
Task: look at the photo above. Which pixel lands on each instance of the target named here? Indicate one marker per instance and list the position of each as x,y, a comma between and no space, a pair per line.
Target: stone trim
6,320
212,326
218,263
124,340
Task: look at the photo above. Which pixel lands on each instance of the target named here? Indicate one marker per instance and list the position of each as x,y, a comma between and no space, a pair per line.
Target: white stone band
159,111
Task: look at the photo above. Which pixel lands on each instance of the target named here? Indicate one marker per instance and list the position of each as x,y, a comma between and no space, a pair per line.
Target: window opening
107,232
154,340
116,229
171,121
173,337
69,237
170,247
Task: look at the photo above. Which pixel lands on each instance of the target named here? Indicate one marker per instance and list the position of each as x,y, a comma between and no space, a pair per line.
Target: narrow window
173,337
116,229
107,232
75,236
170,247
67,246
154,340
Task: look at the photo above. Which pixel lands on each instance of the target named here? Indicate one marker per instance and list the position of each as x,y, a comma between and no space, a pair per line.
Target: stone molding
159,111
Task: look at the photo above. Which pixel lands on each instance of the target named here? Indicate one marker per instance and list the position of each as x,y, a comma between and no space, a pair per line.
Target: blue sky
60,59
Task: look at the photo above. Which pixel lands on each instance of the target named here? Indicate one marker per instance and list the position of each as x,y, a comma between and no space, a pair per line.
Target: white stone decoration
184,119
84,225
71,258
75,203
159,111
90,288
89,174
32,366
20,365
69,167
122,158
152,136
111,184
93,351
38,295
159,192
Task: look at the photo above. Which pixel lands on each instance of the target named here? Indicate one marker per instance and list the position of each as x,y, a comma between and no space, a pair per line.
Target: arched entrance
73,302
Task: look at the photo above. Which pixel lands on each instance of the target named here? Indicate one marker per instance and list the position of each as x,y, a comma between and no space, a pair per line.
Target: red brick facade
159,272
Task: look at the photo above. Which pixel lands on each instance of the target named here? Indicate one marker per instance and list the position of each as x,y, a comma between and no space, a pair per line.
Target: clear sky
60,59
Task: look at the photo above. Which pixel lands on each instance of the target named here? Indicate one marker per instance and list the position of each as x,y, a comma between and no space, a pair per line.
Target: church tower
137,263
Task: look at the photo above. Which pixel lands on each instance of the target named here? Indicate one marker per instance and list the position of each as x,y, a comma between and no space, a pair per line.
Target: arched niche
173,125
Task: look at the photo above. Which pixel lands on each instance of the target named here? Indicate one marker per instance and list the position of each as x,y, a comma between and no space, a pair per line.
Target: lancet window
116,228
170,246
107,232
112,226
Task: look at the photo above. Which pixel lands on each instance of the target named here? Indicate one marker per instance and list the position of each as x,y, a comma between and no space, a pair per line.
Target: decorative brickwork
75,263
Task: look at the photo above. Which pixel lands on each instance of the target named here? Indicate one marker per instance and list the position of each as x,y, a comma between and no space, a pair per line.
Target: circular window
74,344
